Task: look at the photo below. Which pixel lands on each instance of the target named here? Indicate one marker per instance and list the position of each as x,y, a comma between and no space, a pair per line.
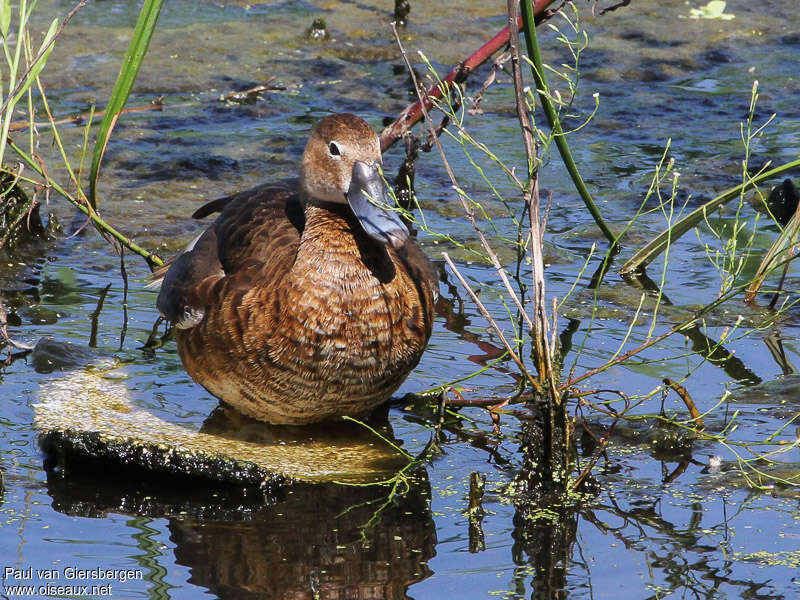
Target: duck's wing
425,278
182,297
263,225
421,268
256,235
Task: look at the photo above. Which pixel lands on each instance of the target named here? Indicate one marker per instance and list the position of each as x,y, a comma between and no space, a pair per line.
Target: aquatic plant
22,63
23,83
524,331
142,33
548,449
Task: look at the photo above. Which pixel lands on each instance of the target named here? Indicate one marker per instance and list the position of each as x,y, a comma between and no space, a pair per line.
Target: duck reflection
310,545
321,540
299,540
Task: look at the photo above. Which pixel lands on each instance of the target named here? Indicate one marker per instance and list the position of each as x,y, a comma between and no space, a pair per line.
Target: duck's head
340,165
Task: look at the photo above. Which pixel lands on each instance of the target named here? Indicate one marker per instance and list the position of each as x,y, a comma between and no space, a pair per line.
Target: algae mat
88,415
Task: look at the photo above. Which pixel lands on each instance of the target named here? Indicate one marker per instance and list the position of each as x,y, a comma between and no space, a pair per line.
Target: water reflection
310,545
546,545
684,558
296,541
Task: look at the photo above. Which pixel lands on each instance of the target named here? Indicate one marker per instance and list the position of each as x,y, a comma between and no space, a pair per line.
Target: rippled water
664,524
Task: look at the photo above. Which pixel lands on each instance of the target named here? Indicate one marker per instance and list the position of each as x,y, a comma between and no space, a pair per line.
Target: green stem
100,224
535,55
7,110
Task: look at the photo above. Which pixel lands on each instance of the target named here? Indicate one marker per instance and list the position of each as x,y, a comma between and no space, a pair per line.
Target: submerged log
86,417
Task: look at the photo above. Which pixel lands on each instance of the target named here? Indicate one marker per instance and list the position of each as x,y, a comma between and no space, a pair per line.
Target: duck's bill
369,202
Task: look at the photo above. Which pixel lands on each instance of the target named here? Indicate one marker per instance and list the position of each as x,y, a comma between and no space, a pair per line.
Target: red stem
413,113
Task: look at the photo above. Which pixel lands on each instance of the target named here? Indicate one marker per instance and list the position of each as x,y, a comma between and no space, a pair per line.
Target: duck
307,300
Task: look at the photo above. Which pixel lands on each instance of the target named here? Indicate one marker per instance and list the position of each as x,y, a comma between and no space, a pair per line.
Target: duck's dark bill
367,190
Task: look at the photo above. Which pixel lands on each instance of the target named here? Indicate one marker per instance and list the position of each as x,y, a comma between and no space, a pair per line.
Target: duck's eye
333,148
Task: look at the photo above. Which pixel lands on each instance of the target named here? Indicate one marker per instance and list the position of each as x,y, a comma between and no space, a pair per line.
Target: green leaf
5,17
779,253
39,61
137,49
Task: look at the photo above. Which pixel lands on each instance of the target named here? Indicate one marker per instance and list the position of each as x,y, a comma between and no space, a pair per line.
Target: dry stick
779,289
471,217
531,198
467,208
413,113
496,65
492,322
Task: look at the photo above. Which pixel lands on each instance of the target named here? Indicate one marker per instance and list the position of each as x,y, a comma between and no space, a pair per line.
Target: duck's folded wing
262,224
182,298
256,235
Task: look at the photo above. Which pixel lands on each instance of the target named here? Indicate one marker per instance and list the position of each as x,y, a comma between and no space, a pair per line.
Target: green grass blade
5,17
779,253
38,62
646,255
122,88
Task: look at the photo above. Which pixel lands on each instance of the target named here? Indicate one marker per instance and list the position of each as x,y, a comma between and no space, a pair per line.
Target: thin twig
531,198
492,322
603,441
467,208
687,400
413,113
496,65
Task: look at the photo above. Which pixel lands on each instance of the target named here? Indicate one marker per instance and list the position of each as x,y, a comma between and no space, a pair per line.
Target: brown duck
305,302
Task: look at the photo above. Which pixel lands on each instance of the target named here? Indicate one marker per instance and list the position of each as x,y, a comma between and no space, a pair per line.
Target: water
665,525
